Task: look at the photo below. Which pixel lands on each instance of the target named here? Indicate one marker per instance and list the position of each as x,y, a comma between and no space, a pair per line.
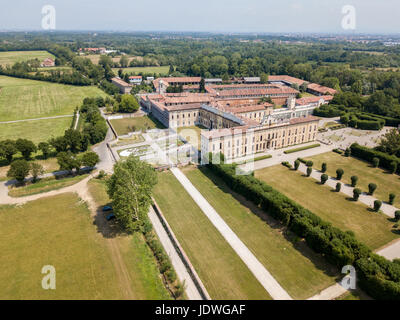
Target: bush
397,215
287,164
324,167
371,188
296,164
377,205
301,148
392,196
338,151
354,180
356,194
309,171
393,167
375,162
324,178
309,163
338,187
347,152
339,174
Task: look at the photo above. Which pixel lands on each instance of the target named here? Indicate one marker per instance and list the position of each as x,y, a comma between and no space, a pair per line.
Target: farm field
386,182
28,99
296,267
11,57
373,229
125,125
223,273
36,130
163,70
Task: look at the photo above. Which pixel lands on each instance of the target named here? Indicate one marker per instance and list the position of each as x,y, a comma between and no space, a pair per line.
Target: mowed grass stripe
297,269
28,99
223,273
373,229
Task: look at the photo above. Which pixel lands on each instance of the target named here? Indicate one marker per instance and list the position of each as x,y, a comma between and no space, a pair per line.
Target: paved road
44,118
258,270
392,251
190,288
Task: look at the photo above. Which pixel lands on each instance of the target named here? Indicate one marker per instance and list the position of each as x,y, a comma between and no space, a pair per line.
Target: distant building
319,90
124,87
136,80
94,50
48,62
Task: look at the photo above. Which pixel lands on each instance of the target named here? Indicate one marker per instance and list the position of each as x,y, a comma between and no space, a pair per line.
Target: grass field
143,273
45,185
297,269
11,57
373,229
55,231
27,99
36,130
126,125
386,182
163,70
223,273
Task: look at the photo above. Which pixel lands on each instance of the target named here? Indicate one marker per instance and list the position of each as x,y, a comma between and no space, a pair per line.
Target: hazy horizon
221,16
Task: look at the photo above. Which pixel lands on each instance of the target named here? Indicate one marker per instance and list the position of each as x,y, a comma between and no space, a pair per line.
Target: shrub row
301,148
385,160
379,277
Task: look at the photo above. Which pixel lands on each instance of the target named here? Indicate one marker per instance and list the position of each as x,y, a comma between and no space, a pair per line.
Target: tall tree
19,170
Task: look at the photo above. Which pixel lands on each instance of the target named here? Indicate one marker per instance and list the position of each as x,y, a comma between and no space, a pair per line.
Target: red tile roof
321,89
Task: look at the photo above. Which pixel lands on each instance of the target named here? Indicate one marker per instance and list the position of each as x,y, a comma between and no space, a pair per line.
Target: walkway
330,293
258,270
190,288
391,251
34,119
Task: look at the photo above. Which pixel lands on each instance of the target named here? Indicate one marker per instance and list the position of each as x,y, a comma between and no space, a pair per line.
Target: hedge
368,154
379,277
301,148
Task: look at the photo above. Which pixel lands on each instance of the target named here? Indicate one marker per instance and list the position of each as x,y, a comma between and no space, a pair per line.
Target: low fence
189,267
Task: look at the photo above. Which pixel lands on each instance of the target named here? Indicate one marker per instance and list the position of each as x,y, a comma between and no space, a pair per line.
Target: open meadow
11,57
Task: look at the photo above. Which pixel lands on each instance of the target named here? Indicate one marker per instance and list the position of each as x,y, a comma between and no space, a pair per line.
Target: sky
255,16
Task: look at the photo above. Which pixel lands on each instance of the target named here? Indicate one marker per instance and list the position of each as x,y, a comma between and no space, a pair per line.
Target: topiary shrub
347,152
393,167
375,162
324,167
354,180
338,187
392,196
324,178
296,164
371,188
377,205
356,194
397,215
309,163
339,173
309,171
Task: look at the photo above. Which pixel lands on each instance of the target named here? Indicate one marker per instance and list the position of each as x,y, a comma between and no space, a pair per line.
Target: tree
347,152
392,196
371,188
303,87
309,163
90,159
309,171
19,170
397,215
296,164
356,194
124,61
171,69
390,142
67,161
264,78
45,148
8,149
130,188
338,187
354,180
59,143
73,139
393,167
339,174
377,205
324,178
128,104
26,147
375,162
36,170
202,87
324,167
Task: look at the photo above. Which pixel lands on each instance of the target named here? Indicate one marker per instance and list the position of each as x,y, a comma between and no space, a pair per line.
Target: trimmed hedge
378,276
368,154
301,148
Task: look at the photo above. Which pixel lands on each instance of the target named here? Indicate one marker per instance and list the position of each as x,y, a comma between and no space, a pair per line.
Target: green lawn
36,130
57,231
223,273
126,125
27,99
386,182
297,269
45,185
374,229
11,57
163,70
